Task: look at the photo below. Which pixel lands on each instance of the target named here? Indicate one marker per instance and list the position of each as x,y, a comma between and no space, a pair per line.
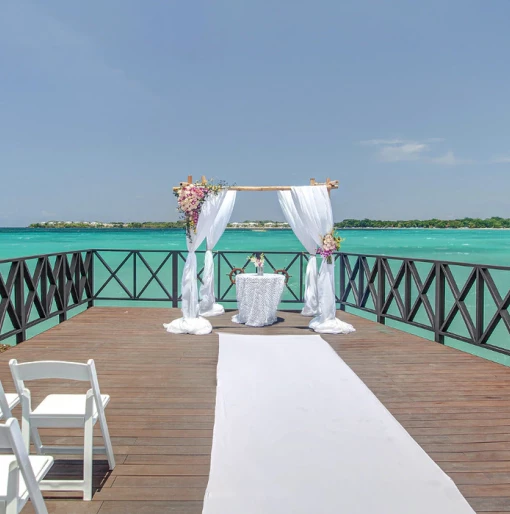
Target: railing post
134,275
62,287
90,279
301,292
407,289
361,281
381,291
218,258
175,279
77,274
19,295
44,286
342,282
480,304
440,303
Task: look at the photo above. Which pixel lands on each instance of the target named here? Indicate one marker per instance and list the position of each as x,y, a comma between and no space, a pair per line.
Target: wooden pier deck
161,415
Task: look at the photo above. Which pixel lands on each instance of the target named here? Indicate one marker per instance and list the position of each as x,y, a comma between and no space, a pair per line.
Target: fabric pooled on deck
297,432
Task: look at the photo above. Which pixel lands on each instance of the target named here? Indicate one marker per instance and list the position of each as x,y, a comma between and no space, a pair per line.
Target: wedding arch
307,210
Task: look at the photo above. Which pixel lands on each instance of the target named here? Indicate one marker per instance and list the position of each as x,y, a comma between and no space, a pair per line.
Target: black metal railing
154,275
39,288
465,302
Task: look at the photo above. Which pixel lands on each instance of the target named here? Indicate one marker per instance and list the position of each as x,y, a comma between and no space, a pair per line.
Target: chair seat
69,407
41,464
12,401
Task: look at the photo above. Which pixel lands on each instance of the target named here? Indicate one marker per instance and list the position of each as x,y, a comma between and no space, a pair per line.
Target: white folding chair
19,473
64,411
7,402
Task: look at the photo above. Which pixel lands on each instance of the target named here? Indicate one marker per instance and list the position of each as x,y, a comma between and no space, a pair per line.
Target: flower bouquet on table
258,259
190,198
330,245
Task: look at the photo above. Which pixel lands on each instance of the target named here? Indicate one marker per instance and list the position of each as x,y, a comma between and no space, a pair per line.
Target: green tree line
494,222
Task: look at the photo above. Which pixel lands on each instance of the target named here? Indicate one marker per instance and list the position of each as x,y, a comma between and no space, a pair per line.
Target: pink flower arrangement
258,259
190,199
330,245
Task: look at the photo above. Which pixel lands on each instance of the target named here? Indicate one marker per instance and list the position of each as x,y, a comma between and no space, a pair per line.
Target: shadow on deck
161,415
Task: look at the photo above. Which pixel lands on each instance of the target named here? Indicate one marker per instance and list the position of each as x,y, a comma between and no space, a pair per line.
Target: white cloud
449,159
411,151
435,140
383,142
501,159
395,150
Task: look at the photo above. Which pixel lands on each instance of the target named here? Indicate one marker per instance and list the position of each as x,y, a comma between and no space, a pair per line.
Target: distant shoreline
262,229
493,223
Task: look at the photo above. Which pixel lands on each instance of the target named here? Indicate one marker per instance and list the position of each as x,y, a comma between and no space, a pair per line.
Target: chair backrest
5,411
10,437
47,369
55,369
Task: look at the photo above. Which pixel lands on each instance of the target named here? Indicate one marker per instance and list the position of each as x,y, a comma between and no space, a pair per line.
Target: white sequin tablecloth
258,297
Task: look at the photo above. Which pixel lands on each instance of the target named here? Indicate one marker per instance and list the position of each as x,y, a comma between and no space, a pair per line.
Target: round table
258,297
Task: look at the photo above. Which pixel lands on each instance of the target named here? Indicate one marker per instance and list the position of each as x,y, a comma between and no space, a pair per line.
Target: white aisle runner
297,432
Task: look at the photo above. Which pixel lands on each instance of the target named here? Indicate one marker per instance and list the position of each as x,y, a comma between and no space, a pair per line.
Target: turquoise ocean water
476,246
470,246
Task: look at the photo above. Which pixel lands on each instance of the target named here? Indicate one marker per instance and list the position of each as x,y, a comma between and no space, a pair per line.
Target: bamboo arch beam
330,184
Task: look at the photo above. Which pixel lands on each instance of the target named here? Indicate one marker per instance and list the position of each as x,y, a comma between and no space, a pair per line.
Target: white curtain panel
313,207
208,306
300,229
191,322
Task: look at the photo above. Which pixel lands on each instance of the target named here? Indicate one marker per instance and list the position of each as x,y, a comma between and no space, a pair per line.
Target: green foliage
494,222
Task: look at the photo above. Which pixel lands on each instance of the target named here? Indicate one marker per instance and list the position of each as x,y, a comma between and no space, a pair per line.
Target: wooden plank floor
162,410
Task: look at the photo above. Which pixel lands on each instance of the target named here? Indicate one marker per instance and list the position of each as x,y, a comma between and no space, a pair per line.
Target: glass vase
260,270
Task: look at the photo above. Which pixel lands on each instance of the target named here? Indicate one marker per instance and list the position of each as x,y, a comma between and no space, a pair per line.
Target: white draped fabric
258,297
208,307
299,227
191,322
313,207
296,431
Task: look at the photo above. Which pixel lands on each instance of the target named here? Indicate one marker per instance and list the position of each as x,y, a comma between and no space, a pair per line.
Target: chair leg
10,505
107,441
36,439
26,429
30,432
88,457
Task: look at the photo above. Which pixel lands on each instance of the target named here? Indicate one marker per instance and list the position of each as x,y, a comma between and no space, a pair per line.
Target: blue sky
105,105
